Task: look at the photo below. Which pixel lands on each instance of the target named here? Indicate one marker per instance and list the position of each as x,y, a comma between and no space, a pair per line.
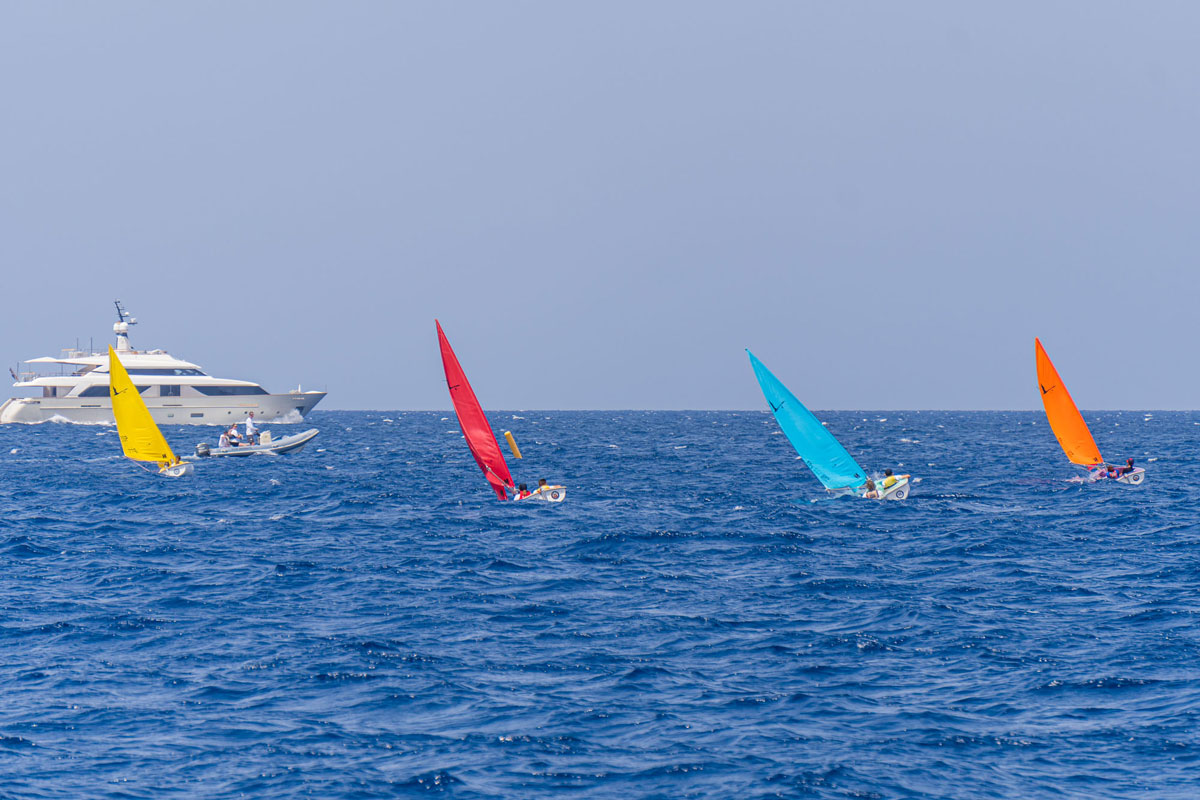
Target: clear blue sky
605,203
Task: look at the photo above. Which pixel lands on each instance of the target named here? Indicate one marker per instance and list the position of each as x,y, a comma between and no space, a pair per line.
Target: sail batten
473,422
824,455
1063,415
140,437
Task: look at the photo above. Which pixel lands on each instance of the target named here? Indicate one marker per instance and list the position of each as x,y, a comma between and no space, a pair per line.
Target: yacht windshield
102,391
163,371
227,391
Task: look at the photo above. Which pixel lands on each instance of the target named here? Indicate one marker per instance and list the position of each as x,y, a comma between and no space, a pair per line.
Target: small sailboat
476,430
140,437
834,467
1068,425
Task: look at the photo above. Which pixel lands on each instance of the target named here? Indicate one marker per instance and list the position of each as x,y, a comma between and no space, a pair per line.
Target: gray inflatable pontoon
272,447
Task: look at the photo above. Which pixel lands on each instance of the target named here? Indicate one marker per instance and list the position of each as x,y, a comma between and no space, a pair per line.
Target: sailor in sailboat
169,467
548,492
1112,471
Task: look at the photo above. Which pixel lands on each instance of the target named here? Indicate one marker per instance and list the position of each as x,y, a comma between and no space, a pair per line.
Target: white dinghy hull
551,494
898,490
1133,478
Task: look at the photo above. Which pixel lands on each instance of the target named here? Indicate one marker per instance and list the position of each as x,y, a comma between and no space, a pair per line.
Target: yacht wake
290,418
59,419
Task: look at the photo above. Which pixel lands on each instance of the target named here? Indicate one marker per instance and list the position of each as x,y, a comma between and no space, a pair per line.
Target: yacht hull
268,408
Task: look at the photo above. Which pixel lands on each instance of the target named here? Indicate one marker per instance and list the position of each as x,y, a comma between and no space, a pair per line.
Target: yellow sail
1064,417
140,437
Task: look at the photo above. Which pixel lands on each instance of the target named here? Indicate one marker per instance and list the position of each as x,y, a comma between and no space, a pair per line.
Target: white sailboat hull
1133,478
897,491
177,471
551,494
272,409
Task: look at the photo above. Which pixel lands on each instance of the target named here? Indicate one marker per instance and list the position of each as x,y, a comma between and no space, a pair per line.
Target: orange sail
1065,419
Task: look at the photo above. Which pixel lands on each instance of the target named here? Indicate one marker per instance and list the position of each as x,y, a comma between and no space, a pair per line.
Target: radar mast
121,327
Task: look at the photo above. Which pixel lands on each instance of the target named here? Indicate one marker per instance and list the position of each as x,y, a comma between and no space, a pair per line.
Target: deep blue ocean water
364,619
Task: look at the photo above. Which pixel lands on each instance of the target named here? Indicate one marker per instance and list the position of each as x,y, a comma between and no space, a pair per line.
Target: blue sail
824,455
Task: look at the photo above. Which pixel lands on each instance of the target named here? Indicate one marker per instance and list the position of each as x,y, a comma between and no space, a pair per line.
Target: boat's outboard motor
202,450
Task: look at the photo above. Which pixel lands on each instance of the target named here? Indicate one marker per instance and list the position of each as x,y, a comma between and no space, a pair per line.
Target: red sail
473,422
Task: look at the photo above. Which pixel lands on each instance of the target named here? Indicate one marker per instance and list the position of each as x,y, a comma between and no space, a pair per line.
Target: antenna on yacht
121,327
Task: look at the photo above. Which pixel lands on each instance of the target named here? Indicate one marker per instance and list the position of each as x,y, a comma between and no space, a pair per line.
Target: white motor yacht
177,392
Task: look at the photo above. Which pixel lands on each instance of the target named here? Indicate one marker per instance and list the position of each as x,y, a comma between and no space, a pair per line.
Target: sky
606,203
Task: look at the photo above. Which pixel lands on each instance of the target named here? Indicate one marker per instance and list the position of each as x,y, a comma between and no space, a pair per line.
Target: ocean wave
364,619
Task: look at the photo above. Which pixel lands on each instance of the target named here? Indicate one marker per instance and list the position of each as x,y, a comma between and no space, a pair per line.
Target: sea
364,619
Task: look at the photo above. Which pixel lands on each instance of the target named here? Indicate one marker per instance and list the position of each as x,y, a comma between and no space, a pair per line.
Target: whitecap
290,418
